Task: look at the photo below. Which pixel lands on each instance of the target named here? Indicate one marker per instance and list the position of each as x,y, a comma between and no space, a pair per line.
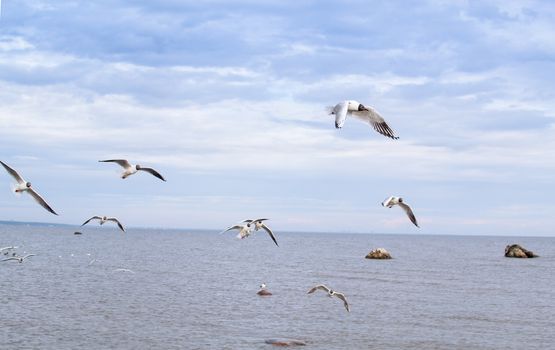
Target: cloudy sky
227,100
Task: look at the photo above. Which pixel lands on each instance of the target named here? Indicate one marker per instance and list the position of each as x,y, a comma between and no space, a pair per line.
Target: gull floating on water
244,230
24,186
19,258
363,113
331,293
130,169
259,224
103,219
391,201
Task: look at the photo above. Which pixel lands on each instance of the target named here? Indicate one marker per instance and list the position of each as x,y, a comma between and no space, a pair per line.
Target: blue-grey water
197,290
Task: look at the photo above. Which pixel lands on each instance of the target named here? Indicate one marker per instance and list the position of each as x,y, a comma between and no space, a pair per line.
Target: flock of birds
340,111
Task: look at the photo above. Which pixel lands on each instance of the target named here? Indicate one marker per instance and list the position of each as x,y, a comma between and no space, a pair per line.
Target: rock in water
77,233
285,342
264,293
379,253
516,251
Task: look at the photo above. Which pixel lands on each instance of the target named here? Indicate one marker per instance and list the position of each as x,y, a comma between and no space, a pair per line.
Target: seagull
7,249
263,291
24,186
244,230
331,293
258,224
391,201
103,219
123,270
363,113
19,258
130,169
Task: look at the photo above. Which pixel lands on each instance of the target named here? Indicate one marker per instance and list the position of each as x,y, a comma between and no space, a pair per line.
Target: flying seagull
391,201
331,293
103,219
244,230
24,186
258,224
130,169
366,114
19,258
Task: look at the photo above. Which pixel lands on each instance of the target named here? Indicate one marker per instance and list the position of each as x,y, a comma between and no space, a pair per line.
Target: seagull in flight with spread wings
259,224
331,293
244,230
103,219
366,114
391,201
130,169
24,186
19,258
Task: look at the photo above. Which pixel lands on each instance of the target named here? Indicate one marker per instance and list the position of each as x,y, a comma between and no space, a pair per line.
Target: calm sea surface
197,290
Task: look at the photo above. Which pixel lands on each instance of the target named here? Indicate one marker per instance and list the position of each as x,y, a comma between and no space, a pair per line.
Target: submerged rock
285,342
379,253
516,251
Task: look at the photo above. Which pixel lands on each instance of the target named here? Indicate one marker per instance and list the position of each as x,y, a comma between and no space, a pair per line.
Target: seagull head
28,185
400,200
138,167
263,285
361,107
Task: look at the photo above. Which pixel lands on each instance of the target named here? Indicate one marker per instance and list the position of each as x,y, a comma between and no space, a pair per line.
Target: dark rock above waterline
379,253
516,251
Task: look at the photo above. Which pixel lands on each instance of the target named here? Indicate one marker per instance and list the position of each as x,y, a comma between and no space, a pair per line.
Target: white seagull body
363,113
19,258
244,230
259,224
392,201
130,169
103,219
331,293
24,186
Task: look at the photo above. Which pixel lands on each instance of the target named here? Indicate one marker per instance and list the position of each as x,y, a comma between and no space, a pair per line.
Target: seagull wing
320,286
117,222
260,220
342,297
40,200
234,227
248,221
122,162
267,229
93,218
372,117
12,258
153,172
13,173
387,202
409,212
340,112
28,255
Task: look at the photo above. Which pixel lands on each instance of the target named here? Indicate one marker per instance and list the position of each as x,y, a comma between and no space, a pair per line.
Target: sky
227,99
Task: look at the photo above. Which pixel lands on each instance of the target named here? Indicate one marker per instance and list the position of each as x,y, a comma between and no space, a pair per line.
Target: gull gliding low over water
366,114
259,224
103,219
129,169
391,201
331,293
24,186
19,258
